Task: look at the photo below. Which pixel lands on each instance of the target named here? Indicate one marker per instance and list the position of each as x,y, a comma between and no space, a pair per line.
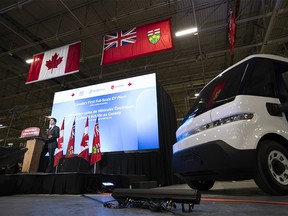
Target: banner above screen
137,41
54,63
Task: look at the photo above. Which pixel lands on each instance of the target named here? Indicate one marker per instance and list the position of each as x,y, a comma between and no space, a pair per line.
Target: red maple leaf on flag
53,62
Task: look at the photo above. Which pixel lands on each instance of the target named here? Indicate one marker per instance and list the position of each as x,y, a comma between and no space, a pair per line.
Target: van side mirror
276,109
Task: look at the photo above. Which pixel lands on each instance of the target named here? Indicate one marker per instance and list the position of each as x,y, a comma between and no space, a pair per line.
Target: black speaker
75,164
125,197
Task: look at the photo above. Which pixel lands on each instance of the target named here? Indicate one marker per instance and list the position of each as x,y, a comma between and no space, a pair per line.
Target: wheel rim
278,165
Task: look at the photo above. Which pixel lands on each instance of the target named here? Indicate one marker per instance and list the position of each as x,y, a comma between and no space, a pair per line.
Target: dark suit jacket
52,142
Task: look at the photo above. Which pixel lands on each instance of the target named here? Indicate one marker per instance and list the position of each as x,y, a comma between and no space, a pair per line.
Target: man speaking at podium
51,143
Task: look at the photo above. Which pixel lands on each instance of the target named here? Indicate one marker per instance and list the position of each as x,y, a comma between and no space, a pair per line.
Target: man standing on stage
51,143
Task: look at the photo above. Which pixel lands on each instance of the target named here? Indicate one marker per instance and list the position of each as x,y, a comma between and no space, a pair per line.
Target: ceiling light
186,31
196,94
29,61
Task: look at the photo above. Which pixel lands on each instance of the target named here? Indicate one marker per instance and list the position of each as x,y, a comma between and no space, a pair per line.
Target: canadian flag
84,151
54,63
59,149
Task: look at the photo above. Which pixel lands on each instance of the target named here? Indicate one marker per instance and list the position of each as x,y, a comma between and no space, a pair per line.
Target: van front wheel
272,168
201,185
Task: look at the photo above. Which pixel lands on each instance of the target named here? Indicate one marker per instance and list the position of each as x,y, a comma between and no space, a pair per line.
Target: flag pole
94,170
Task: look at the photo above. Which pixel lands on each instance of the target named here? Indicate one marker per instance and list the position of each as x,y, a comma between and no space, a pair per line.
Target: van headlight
234,118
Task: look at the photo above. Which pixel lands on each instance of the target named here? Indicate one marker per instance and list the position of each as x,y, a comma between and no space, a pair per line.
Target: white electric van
237,128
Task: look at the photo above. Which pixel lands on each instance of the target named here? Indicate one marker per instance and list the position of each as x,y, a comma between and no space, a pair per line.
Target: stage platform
65,183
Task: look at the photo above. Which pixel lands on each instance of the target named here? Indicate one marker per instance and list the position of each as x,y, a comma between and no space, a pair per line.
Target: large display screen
126,111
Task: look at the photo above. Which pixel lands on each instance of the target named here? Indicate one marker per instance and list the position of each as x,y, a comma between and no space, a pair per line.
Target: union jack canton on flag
140,40
120,38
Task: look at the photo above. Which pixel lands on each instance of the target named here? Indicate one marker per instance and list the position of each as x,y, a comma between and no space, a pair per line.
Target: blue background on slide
128,121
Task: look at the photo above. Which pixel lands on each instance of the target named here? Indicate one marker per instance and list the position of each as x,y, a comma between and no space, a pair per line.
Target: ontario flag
54,63
71,143
231,31
84,151
137,41
96,152
59,149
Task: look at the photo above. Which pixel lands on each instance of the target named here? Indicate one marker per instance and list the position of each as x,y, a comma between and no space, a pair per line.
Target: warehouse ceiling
28,27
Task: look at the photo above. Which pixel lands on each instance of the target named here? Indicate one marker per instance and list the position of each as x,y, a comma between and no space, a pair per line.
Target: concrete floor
225,198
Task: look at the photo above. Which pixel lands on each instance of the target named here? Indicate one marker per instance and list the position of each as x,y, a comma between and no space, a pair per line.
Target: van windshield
220,90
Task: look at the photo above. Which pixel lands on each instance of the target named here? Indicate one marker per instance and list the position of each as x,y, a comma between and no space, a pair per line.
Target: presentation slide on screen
126,111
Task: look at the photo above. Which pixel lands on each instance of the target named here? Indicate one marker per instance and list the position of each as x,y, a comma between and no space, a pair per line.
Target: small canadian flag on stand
59,149
84,151
54,63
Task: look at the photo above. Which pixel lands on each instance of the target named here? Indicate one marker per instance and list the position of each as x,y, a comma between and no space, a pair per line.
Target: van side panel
221,150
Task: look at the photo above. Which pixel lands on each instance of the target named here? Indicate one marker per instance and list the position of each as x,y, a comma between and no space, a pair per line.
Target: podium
35,145
32,156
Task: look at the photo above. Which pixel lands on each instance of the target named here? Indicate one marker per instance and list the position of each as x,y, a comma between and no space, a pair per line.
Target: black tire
272,168
201,185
